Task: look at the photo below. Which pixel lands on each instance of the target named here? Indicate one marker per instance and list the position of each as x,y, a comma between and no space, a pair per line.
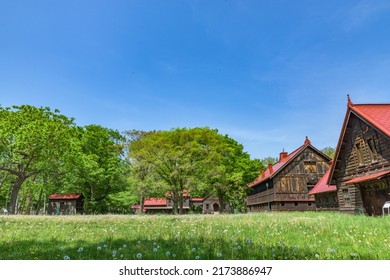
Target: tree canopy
44,152
183,161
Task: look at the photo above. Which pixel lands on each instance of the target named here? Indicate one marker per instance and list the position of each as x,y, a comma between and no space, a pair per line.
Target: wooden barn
361,170
285,185
66,204
325,195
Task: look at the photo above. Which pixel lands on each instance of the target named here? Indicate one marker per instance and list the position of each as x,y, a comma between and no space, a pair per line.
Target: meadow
271,236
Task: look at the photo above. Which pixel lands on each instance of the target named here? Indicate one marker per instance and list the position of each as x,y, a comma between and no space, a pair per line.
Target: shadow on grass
158,249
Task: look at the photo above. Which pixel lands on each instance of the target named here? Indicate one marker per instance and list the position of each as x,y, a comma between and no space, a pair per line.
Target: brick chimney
270,168
283,155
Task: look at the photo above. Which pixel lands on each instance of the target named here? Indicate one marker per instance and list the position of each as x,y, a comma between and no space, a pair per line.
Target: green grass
284,236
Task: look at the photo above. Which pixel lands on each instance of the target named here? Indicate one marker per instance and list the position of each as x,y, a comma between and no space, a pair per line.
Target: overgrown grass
284,236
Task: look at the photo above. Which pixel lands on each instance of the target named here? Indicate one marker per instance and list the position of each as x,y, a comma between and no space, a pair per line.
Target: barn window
295,203
359,153
310,166
282,203
373,152
347,197
207,206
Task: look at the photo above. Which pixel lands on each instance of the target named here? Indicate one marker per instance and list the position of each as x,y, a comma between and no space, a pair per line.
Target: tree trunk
39,202
15,192
142,206
181,211
221,203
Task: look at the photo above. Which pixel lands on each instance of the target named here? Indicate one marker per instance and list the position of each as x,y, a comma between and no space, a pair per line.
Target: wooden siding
326,201
363,151
289,189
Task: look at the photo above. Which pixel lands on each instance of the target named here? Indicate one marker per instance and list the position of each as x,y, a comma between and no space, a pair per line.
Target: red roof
197,199
374,176
155,202
273,169
67,196
377,115
322,185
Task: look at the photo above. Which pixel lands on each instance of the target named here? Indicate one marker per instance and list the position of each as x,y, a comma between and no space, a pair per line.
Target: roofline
350,109
301,148
368,121
341,136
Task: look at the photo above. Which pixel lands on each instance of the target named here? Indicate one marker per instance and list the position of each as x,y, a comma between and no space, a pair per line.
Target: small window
282,203
309,203
346,196
310,167
207,206
359,153
295,203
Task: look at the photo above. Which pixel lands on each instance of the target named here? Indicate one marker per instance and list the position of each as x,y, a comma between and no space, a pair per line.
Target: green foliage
197,160
265,161
42,152
329,151
102,170
33,142
231,172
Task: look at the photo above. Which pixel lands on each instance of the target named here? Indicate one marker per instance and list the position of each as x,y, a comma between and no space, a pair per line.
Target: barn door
216,207
374,196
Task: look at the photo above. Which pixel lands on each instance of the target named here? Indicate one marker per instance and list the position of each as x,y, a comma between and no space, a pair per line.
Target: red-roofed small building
66,204
206,205
285,185
361,169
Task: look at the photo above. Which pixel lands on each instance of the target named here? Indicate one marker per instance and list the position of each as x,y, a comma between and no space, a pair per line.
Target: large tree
102,168
33,141
195,160
230,174
177,159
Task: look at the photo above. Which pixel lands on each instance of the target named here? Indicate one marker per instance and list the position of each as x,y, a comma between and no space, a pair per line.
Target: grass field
287,236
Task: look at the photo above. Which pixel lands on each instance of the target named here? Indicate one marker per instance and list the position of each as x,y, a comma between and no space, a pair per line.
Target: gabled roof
67,196
375,115
322,185
155,202
272,170
378,115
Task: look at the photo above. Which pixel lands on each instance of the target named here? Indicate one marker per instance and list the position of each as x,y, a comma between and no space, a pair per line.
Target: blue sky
267,73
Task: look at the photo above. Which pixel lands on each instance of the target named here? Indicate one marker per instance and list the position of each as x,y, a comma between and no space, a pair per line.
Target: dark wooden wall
289,189
356,159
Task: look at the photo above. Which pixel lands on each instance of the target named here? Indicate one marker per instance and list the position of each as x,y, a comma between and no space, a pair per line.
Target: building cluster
356,180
